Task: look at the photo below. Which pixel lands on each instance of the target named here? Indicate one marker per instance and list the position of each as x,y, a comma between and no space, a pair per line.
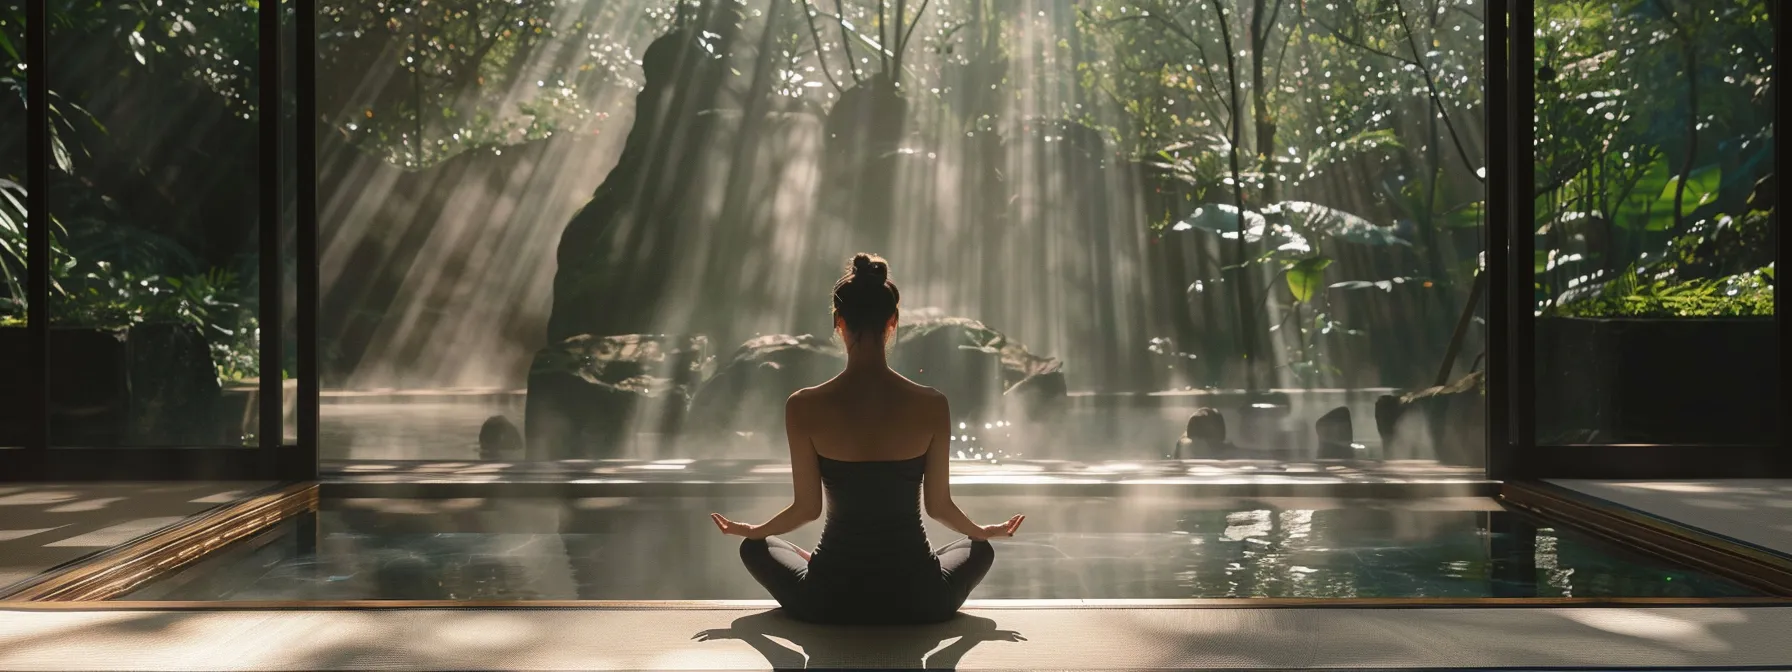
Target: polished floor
46,525
1072,548
1133,547
984,638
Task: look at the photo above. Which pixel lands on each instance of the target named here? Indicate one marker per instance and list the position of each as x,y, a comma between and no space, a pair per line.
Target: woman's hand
730,527
1003,530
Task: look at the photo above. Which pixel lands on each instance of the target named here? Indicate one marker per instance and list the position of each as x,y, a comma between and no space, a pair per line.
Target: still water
619,548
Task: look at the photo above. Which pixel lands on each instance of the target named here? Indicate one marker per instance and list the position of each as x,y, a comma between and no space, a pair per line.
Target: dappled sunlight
1752,511
1692,632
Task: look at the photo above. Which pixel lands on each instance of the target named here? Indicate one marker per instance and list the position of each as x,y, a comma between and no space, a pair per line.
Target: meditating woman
876,442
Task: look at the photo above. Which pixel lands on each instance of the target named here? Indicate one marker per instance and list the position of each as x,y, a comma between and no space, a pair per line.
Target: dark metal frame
1512,451
1495,247
272,458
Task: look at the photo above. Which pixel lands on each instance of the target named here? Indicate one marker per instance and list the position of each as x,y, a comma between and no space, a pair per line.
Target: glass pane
517,208
1655,215
15,340
155,195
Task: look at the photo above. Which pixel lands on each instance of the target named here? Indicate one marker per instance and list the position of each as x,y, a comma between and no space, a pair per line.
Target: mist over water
1005,177
444,273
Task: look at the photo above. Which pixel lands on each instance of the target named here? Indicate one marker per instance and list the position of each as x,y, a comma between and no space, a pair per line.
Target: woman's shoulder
819,394
805,396
918,393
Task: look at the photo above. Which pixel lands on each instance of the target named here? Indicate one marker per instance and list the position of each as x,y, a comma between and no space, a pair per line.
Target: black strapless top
874,521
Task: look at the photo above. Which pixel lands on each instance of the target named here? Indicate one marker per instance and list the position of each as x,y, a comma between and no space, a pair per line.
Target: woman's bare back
869,417
873,440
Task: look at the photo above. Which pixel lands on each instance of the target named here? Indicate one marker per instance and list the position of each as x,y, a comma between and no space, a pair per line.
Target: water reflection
825,647
611,548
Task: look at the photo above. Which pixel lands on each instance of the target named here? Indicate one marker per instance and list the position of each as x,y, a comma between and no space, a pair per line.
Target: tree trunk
1261,27
1247,328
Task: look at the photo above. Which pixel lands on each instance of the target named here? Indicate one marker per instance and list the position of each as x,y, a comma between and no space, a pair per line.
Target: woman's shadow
841,647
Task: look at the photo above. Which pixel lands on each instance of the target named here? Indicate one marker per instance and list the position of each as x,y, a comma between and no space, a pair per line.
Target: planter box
1665,381
149,385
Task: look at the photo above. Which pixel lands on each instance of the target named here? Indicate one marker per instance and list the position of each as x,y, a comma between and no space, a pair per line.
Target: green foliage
1615,148
1719,268
103,296
1631,295
1306,278
107,295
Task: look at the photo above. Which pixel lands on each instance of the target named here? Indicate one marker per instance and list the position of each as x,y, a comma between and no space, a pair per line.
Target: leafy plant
105,295
1631,295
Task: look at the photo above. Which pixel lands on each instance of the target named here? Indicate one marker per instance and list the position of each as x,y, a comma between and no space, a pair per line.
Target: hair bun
870,268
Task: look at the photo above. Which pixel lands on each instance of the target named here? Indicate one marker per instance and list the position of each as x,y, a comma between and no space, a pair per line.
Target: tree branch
852,66
1436,98
820,57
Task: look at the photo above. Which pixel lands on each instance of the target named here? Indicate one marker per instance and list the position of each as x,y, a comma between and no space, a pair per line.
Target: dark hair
864,298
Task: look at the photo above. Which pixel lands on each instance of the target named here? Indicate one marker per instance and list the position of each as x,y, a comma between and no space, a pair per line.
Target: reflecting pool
664,548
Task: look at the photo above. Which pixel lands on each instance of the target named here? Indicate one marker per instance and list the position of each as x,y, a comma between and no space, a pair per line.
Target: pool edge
1656,536
122,569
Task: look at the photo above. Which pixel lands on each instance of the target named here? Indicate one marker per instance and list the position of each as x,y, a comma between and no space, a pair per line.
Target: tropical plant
1652,125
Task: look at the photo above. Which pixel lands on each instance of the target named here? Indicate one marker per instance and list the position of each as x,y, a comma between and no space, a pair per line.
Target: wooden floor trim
122,569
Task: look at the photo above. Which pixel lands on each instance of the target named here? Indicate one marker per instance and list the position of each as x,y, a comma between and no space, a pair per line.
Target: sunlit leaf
1223,219
1305,276
1339,224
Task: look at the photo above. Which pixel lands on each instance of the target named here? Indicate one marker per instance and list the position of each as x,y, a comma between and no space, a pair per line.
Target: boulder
1204,436
959,357
1447,423
618,253
174,390
499,439
149,385
588,395
982,372
1335,435
748,391
1037,396
979,369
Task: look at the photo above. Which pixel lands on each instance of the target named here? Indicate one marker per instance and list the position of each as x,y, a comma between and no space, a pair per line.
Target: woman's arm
937,481
805,475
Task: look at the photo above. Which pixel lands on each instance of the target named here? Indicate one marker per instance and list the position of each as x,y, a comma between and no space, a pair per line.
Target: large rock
1447,423
978,368
1336,434
149,385
174,390
1204,436
499,439
748,391
589,395
982,373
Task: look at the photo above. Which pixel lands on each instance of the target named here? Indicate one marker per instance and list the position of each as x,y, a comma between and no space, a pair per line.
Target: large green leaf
1222,219
1466,216
1306,277
1361,142
1651,204
1339,224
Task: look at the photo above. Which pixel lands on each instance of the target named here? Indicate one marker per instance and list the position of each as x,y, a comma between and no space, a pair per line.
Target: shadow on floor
843,647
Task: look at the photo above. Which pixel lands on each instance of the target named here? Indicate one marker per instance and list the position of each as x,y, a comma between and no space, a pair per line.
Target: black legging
778,566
